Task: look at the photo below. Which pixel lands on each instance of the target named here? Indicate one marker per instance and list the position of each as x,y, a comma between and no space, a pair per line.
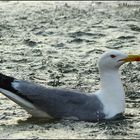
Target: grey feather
61,103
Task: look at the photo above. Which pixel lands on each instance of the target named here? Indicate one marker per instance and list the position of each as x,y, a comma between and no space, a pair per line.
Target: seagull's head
114,59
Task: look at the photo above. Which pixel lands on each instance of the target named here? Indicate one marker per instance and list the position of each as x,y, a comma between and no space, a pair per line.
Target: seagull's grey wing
60,103
53,103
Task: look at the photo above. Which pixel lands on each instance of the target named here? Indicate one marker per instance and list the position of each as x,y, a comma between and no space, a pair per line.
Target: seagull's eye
112,56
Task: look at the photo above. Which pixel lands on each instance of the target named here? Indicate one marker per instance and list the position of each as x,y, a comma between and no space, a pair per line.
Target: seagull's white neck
111,81
112,93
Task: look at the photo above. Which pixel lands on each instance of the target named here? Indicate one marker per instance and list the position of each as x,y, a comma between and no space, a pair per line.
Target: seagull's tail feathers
10,91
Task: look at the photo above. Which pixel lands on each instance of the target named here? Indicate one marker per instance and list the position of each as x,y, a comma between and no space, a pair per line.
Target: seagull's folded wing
58,103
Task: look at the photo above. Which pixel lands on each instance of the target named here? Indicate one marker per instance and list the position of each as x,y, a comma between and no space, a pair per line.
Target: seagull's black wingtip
6,82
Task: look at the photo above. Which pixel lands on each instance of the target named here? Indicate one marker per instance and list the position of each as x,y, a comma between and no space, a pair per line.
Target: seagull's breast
113,104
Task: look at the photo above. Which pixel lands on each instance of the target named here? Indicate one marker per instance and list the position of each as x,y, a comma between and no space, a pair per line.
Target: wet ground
58,44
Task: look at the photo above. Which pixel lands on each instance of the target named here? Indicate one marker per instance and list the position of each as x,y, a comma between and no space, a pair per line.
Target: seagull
55,103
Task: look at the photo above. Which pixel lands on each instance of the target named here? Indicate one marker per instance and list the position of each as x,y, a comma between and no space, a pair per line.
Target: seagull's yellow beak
131,58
